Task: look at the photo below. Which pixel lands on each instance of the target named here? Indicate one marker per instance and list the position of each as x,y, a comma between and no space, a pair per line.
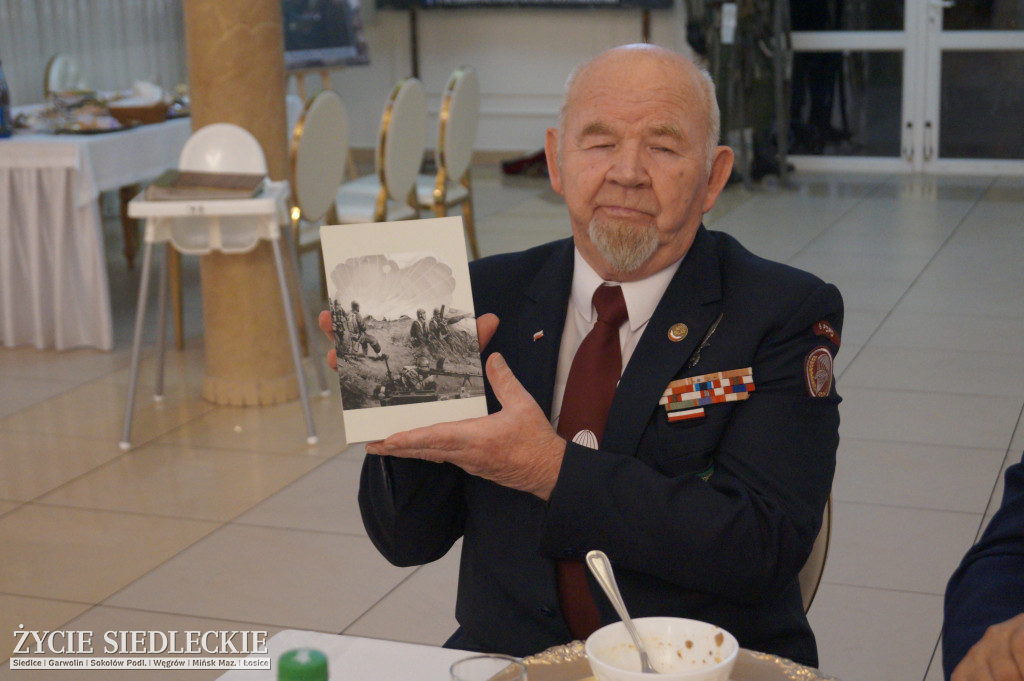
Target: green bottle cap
302,664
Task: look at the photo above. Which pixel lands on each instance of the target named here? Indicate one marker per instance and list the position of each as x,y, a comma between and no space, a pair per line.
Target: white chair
226,225
215,148
317,160
222,148
810,574
389,194
456,137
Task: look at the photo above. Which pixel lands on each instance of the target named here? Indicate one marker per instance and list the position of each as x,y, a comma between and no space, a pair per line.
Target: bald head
624,64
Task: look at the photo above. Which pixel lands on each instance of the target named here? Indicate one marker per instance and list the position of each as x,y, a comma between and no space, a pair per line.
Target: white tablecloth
352,658
54,291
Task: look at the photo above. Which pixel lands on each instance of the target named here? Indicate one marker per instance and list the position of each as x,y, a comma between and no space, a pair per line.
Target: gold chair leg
174,265
323,276
129,226
350,164
467,220
331,219
467,216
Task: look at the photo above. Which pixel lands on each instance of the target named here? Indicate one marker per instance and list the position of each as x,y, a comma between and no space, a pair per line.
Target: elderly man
703,475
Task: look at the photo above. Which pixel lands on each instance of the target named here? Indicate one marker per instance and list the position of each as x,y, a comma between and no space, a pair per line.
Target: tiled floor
223,517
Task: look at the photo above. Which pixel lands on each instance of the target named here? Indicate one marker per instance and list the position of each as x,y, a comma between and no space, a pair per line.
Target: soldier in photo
418,377
418,333
438,328
358,334
447,341
339,326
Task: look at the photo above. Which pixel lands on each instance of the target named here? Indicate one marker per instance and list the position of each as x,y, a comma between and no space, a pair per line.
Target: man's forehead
604,127
671,102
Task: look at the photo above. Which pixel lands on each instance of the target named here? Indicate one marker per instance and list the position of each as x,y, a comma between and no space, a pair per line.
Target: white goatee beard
624,245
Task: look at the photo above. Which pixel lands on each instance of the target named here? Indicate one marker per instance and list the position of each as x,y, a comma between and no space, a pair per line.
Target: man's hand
998,656
486,325
515,447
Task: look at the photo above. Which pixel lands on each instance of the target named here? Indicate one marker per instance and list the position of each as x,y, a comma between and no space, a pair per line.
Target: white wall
522,57
116,42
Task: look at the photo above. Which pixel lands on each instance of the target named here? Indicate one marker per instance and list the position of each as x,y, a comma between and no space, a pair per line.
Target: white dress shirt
642,297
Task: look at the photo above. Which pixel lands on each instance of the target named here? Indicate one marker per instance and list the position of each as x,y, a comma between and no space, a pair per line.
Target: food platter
83,130
569,663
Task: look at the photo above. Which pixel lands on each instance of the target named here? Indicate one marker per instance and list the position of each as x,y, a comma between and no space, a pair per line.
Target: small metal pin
704,343
678,332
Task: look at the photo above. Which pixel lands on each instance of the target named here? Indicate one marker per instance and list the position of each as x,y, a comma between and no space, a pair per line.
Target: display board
323,33
560,4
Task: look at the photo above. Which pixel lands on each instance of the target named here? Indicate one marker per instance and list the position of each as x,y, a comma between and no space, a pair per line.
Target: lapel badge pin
538,335
678,332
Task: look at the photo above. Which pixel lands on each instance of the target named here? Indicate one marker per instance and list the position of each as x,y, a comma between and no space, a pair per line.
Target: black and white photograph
404,328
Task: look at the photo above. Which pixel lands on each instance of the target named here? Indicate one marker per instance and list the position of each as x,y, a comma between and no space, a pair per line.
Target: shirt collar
642,297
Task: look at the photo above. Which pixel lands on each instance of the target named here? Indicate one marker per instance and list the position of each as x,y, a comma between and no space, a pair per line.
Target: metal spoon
601,567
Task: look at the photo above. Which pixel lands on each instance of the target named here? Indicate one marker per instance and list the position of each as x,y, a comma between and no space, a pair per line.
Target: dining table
54,287
357,658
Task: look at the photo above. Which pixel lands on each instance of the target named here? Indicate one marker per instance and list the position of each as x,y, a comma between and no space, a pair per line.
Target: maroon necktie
589,390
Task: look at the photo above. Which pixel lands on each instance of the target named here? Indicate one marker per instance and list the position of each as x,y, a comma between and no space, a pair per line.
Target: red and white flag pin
538,335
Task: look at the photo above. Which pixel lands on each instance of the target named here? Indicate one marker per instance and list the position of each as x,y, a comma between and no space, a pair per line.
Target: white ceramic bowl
680,649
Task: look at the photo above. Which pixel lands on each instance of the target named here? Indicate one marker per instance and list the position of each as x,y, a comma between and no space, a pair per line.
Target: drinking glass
489,668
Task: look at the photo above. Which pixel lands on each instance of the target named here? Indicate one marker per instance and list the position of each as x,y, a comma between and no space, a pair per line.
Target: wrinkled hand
998,656
486,325
515,447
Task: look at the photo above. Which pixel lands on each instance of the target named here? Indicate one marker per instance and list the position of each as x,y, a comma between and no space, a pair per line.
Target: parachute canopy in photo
389,287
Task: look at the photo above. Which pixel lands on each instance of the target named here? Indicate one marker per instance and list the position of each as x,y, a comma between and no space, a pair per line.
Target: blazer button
546,611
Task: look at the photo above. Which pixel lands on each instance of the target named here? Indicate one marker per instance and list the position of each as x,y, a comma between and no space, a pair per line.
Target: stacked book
191,185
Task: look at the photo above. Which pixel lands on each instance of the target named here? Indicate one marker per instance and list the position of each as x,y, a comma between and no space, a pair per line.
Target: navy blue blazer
724,548
988,586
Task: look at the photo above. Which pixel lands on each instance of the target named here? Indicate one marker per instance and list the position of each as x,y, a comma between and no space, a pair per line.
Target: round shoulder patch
818,371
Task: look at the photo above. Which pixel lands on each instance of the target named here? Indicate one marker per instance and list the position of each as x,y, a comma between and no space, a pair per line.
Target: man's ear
721,169
551,153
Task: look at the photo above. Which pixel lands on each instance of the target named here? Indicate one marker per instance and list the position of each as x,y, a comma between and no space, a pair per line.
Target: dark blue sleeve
988,587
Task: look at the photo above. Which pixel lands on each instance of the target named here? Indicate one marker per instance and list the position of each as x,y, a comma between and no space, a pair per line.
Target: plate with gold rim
569,663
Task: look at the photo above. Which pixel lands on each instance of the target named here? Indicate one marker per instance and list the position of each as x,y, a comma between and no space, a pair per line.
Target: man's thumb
506,386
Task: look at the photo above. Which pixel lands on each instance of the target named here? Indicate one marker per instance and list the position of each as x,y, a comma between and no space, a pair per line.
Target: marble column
236,74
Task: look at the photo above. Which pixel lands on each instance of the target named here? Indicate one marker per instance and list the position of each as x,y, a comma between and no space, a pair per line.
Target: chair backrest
223,148
810,573
318,154
457,123
403,137
62,74
219,148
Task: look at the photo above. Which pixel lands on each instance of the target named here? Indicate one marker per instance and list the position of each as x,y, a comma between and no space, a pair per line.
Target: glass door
972,114
919,85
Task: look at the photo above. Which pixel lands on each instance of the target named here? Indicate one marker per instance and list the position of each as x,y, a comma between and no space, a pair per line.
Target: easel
325,84
300,79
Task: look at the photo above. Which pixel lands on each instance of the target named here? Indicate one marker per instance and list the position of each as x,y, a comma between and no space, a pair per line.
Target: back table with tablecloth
54,291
